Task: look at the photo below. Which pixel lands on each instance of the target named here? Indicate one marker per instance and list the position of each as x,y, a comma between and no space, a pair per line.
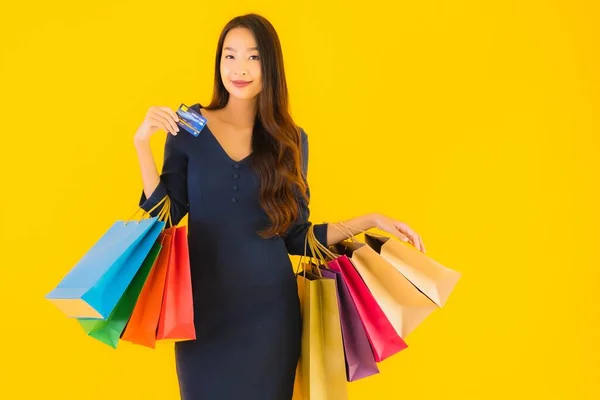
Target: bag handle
345,228
163,215
308,242
322,253
325,254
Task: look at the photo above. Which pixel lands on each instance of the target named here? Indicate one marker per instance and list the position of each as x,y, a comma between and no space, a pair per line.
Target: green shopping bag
109,330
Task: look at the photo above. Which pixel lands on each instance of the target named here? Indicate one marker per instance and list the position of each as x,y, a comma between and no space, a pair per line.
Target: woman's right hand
157,118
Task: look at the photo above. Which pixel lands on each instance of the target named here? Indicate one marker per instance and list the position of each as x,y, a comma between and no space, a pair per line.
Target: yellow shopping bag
321,372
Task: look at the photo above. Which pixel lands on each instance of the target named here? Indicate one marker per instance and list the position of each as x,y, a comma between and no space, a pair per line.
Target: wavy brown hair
276,140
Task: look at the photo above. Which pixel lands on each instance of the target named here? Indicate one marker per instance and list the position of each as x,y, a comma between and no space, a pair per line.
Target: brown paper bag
432,278
402,303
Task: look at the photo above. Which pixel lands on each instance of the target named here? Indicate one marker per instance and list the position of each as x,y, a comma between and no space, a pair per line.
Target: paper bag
321,373
432,278
403,304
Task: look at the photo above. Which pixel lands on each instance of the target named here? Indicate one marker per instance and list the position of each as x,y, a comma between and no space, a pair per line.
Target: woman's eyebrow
234,50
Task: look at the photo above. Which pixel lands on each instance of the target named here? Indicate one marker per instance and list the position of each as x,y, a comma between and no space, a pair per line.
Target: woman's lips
241,84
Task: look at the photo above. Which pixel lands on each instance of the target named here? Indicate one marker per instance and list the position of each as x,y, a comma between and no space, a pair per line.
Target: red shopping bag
176,320
383,338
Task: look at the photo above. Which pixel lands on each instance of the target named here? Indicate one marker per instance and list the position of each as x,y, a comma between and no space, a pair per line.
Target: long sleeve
295,237
173,182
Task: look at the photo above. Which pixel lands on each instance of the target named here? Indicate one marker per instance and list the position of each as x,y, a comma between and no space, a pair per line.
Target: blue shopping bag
93,287
95,284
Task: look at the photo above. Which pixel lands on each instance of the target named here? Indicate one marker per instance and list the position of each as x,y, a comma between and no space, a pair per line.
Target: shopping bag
360,361
384,339
402,303
92,288
109,330
176,321
432,278
321,371
141,327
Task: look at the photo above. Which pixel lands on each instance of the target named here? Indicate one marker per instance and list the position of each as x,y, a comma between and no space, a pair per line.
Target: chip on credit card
190,120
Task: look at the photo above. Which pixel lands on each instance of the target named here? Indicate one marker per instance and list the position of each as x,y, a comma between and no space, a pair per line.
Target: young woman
242,183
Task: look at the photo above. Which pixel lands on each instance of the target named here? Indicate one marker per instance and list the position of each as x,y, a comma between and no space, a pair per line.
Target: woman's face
240,64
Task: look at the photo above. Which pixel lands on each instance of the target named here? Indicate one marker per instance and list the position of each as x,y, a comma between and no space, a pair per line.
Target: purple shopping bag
360,361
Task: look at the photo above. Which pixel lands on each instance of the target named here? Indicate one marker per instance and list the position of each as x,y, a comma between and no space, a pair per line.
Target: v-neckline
220,146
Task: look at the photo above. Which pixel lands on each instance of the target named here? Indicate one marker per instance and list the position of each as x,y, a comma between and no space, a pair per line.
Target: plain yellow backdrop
476,122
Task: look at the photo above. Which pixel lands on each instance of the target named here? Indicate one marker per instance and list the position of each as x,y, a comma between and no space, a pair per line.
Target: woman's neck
240,112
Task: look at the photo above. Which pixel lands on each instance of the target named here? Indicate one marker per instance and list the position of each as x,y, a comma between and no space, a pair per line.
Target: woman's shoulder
303,135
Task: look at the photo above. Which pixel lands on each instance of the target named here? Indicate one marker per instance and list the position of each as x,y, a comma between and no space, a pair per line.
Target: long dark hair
276,140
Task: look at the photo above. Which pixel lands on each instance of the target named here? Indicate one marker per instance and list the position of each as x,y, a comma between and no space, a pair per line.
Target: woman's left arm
337,232
331,233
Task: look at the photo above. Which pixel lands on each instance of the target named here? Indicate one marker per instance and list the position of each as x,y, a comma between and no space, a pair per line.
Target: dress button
235,187
236,166
236,175
234,200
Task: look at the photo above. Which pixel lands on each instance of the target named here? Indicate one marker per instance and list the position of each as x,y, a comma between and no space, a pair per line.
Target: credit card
190,120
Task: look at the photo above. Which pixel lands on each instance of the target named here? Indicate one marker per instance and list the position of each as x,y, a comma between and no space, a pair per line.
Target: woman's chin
246,93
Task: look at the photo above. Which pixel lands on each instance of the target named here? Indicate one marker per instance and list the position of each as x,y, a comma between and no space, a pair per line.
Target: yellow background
474,121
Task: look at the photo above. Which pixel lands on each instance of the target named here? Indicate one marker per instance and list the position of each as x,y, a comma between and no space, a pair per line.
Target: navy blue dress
246,306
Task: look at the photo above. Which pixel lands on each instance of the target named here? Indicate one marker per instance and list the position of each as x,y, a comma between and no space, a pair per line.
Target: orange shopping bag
176,320
141,328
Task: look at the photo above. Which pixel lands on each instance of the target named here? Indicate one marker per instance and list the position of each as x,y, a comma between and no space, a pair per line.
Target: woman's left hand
399,229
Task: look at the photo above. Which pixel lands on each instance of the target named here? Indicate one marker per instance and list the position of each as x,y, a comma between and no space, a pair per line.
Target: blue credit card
190,120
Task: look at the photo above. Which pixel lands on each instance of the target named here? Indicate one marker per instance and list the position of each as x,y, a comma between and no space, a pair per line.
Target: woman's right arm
172,181
150,176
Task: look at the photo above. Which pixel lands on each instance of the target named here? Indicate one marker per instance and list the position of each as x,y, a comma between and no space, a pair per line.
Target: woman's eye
229,56
254,58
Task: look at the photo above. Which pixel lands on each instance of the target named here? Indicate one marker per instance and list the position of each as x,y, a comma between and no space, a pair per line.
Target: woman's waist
238,254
